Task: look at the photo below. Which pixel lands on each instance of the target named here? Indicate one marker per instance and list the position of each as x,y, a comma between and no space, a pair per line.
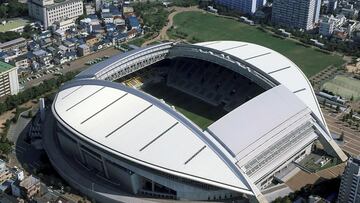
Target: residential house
83,50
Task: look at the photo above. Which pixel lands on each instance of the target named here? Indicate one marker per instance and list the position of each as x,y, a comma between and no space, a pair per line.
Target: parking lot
76,65
351,142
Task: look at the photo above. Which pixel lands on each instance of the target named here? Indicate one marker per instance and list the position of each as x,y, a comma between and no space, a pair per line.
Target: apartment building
16,44
49,12
9,83
349,186
243,6
299,14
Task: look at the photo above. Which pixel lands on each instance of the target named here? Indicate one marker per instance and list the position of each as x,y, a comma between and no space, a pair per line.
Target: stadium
219,121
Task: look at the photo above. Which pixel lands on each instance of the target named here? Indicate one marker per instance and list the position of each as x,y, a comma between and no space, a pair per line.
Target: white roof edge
254,191
314,107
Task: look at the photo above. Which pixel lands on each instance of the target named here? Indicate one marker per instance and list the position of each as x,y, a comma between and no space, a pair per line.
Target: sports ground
199,26
13,23
344,86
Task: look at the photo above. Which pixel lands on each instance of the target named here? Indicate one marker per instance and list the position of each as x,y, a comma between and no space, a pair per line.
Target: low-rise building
26,188
329,23
83,50
91,40
5,174
119,20
19,43
9,81
128,10
42,57
65,24
133,22
107,17
89,9
22,62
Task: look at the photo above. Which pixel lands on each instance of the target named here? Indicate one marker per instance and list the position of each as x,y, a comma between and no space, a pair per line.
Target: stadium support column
332,148
103,161
329,144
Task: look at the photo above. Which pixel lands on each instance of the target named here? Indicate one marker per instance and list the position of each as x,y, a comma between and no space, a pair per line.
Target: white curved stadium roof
274,64
143,129
139,128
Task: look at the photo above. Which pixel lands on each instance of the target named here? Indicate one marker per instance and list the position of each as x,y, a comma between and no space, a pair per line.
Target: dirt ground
10,114
353,68
303,178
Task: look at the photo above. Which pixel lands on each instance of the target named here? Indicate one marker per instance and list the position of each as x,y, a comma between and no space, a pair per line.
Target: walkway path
163,33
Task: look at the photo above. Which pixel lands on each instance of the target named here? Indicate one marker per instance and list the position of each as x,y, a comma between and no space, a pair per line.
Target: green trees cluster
13,101
185,3
153,14
29,31
5,144
7,36
13,9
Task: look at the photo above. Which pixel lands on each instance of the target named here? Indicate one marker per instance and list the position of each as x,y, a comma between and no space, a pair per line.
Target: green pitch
344,86
198,26
198,111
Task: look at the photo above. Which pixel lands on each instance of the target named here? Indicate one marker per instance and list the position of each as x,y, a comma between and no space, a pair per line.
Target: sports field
13,23
200,26
198,111
346,87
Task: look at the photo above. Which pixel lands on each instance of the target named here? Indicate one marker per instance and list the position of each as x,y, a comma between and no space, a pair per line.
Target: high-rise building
350,182
300,14
49,12
9,82
242,6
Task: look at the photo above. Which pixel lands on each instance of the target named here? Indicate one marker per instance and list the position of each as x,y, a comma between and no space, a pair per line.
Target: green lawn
13,23
137,41
198,26
344,86
198,111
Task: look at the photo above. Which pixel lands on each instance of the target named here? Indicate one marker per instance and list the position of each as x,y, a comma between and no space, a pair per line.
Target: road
76,65
163,33
351,143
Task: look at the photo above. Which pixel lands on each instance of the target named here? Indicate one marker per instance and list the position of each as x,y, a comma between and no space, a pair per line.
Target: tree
17,9
3,11
28,28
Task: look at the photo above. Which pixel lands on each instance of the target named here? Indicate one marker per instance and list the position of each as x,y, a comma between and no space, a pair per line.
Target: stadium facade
138,143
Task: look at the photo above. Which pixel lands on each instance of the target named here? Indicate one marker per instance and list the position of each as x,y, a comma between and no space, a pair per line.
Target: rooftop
12,42
85,104
5,66
29,182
